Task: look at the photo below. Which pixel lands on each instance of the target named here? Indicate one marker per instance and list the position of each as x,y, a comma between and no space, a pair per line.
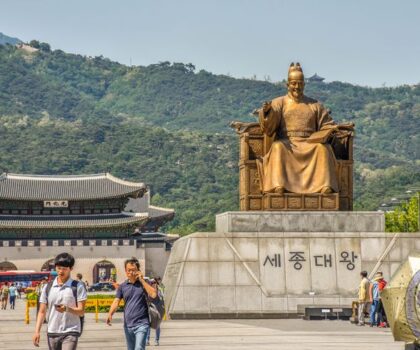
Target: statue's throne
254,144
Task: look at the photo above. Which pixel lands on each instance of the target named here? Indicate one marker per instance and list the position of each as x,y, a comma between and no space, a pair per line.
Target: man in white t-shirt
63,302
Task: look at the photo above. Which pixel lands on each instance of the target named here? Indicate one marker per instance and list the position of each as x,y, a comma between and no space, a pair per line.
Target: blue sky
365,42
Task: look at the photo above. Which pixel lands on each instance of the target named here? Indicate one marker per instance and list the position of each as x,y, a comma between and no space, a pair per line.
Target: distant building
100,219
316,78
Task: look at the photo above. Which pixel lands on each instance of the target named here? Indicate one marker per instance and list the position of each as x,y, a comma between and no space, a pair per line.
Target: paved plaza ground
211,334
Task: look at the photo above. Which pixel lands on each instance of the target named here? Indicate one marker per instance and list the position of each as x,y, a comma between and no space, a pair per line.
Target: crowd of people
62,302
370,301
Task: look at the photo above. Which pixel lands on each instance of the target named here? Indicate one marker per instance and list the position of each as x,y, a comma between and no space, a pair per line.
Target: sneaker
148,343
382,325
157,343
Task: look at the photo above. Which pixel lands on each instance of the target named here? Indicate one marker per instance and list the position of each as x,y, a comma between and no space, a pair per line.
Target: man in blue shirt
374,299
134,291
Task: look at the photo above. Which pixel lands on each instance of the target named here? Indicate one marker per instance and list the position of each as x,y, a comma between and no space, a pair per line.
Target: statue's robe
293,163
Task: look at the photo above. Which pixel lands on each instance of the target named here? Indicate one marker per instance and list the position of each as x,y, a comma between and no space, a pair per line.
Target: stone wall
156,257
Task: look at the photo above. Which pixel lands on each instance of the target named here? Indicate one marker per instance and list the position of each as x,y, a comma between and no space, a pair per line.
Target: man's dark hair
64,260
132,260
79,276
363,273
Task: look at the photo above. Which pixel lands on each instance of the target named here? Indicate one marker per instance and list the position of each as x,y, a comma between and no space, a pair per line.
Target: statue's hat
295,72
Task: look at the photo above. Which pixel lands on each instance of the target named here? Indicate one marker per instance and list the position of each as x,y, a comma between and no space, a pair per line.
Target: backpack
74,284
156,309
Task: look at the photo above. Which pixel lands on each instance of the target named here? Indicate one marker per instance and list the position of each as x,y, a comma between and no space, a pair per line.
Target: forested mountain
167,124
4,39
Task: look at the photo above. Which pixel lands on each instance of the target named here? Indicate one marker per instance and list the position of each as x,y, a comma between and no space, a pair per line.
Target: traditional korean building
316,78
100,219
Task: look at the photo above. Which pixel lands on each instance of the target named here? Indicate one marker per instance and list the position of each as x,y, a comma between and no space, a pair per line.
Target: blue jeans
157,336
374,313
12,301
136,337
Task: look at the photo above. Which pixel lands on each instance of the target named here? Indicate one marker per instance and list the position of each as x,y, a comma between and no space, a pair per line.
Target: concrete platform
256,266
213,334
300,221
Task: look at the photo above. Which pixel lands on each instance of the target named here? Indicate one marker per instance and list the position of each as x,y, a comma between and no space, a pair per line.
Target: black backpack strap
74,284
47,290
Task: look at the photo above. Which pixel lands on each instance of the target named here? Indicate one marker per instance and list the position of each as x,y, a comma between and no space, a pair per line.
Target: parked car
101,286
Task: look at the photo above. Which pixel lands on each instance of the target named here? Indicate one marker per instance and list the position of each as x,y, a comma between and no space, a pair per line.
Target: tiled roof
67,187
316,77
157,212
140,205
71,221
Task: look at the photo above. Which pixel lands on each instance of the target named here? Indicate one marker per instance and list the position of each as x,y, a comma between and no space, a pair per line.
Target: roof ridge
39,177
53,177
67,187
75,217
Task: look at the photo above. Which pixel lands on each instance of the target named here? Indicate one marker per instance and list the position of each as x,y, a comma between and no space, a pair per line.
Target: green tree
35,44
404,218
45,47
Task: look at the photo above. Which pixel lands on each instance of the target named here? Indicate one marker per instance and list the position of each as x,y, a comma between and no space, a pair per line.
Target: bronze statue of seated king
300,158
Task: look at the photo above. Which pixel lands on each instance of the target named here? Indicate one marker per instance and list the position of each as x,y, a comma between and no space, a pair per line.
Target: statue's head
295,81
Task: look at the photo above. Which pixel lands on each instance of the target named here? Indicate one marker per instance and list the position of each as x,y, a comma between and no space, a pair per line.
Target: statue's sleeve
324,119
270,122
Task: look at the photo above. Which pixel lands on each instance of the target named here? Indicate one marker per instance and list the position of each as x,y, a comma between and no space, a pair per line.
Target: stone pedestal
272,264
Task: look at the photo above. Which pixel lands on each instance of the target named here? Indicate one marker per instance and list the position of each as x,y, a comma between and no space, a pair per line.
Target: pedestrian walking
63,302
363,297
38,291
155,284
383,322
4,295
79,278
12,296
374,300
134,291
19,290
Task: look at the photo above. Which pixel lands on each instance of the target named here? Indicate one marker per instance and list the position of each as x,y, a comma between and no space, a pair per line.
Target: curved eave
39,222
160,215
161,218
156,212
